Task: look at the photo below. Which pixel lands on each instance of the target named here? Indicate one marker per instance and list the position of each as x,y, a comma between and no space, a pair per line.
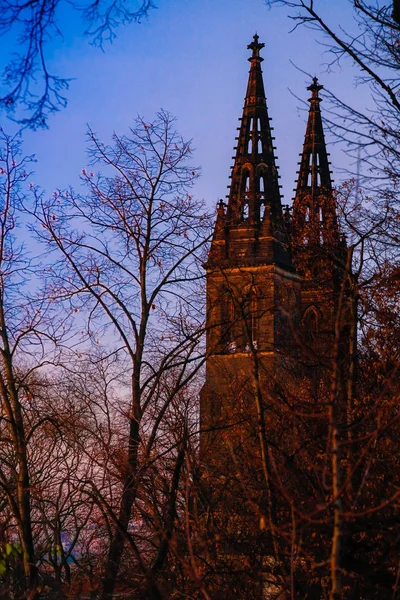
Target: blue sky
190,58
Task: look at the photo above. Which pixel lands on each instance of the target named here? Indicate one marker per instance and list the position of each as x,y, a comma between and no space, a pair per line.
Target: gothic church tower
273,283
317,248
272,279
253,290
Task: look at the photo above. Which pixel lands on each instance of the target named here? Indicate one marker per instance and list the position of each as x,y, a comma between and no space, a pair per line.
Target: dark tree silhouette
28,81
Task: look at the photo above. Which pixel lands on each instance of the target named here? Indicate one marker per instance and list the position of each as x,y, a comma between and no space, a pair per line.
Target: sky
190,58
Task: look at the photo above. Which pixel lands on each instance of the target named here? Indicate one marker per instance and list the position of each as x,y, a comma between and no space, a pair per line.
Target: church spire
254,175
314,171
314,223
252,229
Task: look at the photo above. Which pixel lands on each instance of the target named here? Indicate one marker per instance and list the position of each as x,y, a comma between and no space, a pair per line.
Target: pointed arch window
230,323
261,186
310,322
245,187
225,310
250,137
251,319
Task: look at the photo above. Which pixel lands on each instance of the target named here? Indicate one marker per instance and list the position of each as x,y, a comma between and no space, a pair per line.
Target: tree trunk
128,497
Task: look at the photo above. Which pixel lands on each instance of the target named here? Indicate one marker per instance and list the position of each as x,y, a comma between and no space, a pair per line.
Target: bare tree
28,80
29,335
370,42
127,256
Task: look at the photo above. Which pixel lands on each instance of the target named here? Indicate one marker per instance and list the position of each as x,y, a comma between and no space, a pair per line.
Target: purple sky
189,58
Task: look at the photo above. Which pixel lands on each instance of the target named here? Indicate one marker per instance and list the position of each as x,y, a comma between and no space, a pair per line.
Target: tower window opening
250,321
245,182
250,134
245,209
259,125
225,313
309,178
307,215
230,324
261,184
259,146
262,211
321,218
310,322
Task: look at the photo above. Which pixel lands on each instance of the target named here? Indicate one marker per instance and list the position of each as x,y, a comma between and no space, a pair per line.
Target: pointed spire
254,175
314,223
314,167
253,218
255,87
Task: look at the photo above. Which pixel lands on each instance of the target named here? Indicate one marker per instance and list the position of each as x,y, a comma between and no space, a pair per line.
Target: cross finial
255,47
315,88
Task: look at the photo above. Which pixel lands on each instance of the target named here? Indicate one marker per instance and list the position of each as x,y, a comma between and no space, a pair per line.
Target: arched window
250,137
229,323
251,319
245,181
310,322
245,188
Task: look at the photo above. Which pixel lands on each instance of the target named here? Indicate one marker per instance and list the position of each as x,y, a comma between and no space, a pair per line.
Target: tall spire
314,166
251,229
314,223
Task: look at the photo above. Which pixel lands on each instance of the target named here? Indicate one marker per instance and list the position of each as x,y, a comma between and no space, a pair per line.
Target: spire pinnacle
255,88
314,223
253,218
255,47
315,88
314,170
254,176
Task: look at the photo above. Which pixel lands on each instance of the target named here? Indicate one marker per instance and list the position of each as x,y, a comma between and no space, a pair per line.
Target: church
276,327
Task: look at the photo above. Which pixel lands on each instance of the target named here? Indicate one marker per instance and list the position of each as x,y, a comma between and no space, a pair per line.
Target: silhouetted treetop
28,82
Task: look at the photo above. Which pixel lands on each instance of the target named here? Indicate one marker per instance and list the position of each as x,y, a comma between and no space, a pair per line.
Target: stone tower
253,291
273,282
317,249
